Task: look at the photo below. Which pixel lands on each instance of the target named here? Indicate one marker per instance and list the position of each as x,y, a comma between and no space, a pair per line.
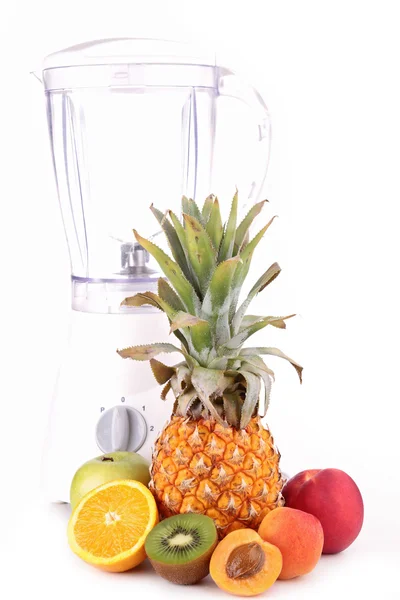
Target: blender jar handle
231,85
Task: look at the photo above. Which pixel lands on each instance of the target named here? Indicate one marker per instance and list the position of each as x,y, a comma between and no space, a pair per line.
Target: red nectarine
333,497
293,486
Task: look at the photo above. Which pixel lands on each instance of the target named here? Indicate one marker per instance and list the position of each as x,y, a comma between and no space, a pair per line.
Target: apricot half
244,565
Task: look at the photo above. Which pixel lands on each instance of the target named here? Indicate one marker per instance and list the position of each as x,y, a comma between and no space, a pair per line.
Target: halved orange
109,526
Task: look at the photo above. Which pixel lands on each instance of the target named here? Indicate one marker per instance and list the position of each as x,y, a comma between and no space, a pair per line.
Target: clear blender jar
134,122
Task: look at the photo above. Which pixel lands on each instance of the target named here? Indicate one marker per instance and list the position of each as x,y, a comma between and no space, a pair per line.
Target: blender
132,122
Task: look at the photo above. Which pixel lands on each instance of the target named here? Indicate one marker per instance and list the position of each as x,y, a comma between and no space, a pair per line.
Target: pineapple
215,456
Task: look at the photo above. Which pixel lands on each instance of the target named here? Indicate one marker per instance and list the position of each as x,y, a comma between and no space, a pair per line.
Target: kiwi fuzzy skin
187,574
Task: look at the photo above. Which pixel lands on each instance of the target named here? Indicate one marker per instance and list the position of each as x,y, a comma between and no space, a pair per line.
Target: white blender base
94,378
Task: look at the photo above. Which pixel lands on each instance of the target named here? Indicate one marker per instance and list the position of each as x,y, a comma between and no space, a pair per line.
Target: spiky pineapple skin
232,476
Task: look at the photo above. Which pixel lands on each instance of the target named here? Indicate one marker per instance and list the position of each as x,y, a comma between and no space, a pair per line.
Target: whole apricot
299,537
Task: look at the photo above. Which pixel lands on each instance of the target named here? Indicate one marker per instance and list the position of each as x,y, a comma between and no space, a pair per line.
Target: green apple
108,467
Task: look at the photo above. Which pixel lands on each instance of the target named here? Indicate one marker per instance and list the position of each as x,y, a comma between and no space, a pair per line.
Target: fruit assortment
213,499
115,526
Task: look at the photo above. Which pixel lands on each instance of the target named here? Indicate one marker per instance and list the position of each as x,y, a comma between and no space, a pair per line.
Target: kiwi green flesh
181,539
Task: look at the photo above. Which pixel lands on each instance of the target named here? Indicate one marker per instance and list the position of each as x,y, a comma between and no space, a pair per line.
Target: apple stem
104,458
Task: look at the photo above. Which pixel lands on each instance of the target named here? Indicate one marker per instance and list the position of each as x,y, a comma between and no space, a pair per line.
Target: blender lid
122,61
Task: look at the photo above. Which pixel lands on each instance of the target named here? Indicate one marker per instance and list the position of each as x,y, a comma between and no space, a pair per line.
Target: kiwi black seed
180,547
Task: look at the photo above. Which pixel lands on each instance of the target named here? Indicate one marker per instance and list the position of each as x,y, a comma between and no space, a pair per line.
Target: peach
299,537
244,564
333,497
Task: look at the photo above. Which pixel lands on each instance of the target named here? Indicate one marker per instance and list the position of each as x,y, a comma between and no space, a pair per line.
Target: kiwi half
180,547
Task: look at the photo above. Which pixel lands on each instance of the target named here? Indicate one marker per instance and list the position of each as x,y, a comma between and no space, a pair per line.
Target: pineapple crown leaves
218,377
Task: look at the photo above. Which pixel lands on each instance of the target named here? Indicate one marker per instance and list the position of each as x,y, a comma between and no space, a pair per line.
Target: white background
329,72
